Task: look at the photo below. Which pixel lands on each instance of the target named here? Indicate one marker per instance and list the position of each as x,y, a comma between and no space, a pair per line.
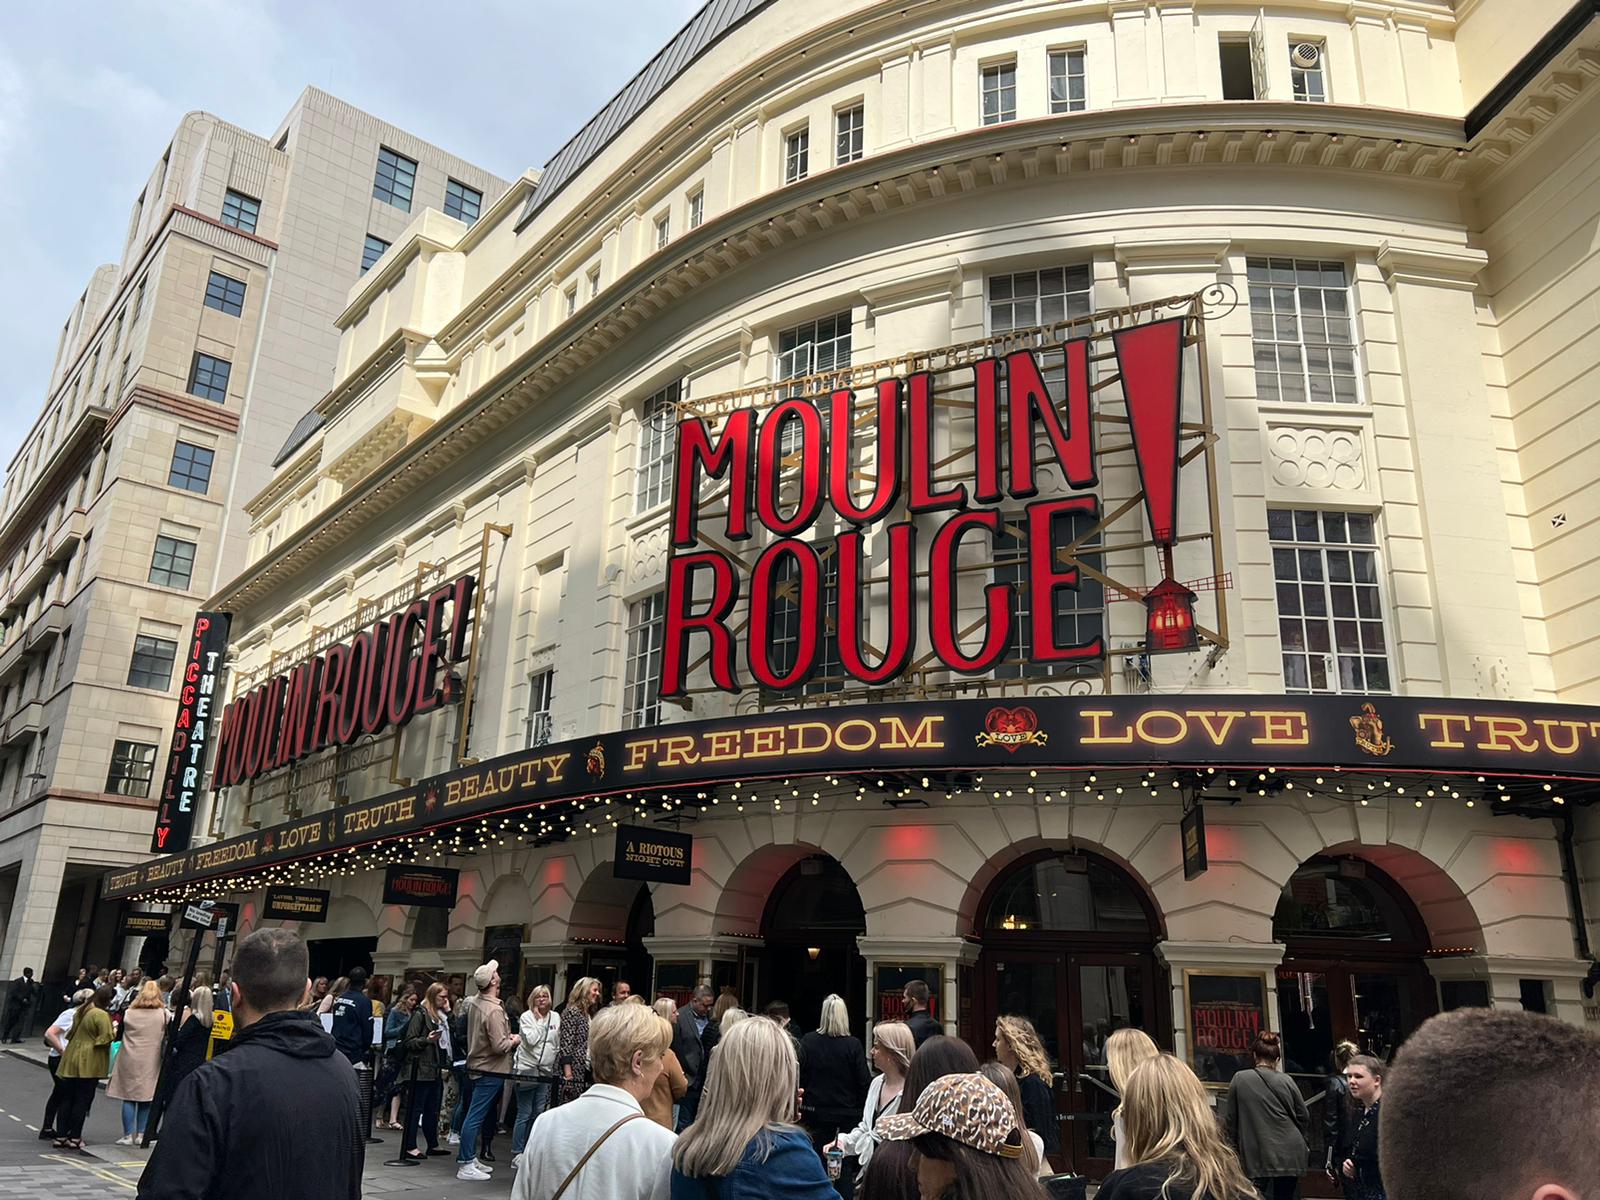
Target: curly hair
1020,1035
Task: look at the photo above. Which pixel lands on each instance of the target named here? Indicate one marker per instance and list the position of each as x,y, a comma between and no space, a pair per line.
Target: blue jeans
458,1114
134,1115
485,1092
532,1099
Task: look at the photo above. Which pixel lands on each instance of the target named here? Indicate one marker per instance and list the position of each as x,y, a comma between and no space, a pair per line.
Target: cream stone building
179,375
1379,221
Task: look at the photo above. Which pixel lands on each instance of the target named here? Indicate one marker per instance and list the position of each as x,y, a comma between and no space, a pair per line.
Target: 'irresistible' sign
191,733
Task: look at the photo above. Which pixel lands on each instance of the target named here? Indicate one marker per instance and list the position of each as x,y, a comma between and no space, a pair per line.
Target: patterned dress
573,1054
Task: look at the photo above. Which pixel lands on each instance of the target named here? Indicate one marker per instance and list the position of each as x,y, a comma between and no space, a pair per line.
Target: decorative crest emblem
1012,727
595,761
1369,732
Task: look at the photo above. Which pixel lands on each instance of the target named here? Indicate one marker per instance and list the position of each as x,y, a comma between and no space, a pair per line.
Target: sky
91,92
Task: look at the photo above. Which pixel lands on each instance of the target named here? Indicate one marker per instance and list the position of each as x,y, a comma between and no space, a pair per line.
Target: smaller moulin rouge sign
191,733
390,672
809,449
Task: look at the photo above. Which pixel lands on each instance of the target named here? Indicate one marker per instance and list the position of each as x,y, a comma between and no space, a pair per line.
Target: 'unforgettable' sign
182,784
654,855
381,678
1378,733
295,904
807,448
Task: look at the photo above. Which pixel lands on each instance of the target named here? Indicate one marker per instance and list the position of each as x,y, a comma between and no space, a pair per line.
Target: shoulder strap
582,1162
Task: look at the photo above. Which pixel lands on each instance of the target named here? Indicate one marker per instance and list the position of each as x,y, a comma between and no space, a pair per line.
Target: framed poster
1226,1010
676,980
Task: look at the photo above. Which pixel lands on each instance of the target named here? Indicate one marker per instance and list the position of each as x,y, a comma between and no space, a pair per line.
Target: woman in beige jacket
138,1063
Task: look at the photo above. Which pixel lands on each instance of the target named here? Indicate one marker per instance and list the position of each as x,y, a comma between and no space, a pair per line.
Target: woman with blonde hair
1175,1144
892,1048
1125,1050
138,1067
539,1034
602,1144
427,1056
572,1062
743,1143
1017,1046
833,1074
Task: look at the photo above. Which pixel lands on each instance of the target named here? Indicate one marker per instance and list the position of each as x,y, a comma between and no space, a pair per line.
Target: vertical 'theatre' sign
191,732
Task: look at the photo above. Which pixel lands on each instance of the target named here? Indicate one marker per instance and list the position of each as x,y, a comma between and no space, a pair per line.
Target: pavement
32,1169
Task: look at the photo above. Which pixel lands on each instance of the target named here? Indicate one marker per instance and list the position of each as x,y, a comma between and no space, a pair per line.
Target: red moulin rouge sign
776,472
381,678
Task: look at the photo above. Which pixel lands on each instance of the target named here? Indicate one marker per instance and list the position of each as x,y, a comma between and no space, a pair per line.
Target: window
208,378
224,294
61,657
1330,613
396,179
1080,616
371,252
462,202
999,93
697,207
1068,88
1043,297
152,662
797,156
240,211
594,282
572,299
127,369
641,693
663,230
814,347
849,126
1238,73
138,304
172,565
1301,330
1305,71
537,728
658,428
191,468
784,627
132,765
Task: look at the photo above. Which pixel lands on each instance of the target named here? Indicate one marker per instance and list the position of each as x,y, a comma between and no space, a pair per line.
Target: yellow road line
98,1172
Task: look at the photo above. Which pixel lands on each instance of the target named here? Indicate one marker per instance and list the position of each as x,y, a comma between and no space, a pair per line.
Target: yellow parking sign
221,1031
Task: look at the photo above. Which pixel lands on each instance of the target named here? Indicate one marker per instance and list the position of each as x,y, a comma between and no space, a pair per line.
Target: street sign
199,916
221,1030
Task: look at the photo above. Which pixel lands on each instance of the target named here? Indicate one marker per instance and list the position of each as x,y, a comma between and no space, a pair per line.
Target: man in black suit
692,1040
20,999
918,1019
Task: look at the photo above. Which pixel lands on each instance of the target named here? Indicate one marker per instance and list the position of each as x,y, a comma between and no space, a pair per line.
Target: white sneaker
470,1171
127,1139
483,1166
455,1139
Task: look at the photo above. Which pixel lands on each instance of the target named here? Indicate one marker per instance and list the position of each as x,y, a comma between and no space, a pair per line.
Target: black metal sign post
197,917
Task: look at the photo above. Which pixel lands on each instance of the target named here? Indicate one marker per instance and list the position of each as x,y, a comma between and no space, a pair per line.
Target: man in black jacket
693,1039
918,1019
352,1018
278,1115
24,994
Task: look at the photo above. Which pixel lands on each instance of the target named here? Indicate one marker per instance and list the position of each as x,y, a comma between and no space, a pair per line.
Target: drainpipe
1580,927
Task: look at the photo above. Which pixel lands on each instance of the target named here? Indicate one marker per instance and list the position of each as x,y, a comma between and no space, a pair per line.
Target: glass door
1108,992
1033,984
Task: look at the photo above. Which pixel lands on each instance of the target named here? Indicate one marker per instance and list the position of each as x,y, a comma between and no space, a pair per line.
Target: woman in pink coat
138,1065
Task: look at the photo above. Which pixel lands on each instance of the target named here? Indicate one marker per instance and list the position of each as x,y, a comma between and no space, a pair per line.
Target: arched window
1346,900
1067,893
816,896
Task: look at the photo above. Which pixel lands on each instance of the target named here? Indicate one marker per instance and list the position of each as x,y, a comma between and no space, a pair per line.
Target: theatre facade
962,493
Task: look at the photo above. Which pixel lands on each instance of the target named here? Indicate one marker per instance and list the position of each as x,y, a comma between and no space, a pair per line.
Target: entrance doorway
809,930
1068,942
1353,970
630,960
333,957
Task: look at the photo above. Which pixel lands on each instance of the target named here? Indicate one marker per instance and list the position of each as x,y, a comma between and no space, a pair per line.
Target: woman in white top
892,1048
540,1030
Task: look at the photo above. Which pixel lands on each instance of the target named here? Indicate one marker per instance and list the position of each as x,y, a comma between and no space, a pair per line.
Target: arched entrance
348,938
809,929
1069,942
611,920
1353,962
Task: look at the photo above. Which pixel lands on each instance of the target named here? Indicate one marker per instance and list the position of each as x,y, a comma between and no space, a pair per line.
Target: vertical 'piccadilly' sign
181,786
810,451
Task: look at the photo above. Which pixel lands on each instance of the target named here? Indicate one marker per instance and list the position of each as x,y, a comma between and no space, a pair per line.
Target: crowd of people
710,1102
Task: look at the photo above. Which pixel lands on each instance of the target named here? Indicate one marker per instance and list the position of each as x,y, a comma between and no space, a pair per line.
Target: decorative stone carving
647,555
1306,457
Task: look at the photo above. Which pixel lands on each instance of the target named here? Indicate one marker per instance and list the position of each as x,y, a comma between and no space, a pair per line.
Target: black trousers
13,1024
57,1088
419,1106
1278,1187
74,1108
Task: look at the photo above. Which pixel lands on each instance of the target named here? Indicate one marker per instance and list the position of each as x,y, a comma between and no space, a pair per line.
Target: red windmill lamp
1169,615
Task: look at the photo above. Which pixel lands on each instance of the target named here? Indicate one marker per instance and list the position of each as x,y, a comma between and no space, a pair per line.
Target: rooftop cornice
1333,138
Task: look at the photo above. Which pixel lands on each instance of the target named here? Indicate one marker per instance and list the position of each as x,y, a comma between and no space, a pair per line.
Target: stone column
1502,974
701,950
1217,956
33,909
950,953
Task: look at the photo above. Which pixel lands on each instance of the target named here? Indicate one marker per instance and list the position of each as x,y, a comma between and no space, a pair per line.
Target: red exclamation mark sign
1150,358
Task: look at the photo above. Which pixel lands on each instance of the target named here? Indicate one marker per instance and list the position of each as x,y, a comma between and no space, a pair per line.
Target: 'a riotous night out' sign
776,471
191,733
390,672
